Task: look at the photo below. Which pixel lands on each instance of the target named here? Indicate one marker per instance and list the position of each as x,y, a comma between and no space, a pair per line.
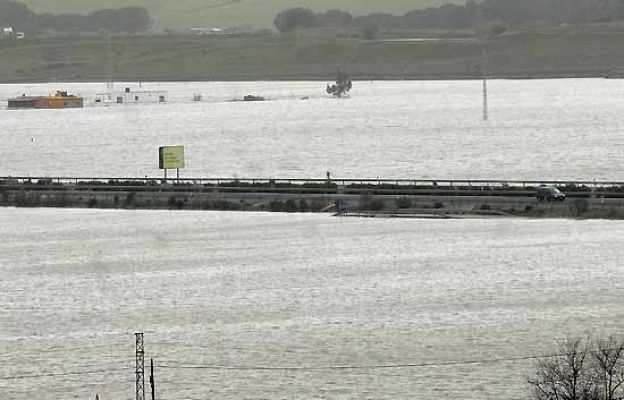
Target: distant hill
181,14
568,51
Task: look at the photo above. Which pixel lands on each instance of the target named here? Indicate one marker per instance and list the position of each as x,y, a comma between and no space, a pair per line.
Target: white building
130,96
207,31
7,31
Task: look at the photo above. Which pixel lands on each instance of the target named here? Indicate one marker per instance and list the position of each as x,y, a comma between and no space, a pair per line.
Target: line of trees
122,20
511,13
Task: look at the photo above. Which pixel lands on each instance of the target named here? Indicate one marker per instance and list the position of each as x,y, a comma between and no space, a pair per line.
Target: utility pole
152,378
484,61
140,367
109,67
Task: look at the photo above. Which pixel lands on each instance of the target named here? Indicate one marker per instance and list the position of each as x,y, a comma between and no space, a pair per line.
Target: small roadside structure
251,97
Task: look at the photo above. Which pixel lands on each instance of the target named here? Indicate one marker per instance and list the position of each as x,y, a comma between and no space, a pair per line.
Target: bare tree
567,375
609,368
581,369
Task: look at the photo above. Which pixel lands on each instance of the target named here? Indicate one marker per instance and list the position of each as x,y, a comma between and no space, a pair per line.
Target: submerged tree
342,86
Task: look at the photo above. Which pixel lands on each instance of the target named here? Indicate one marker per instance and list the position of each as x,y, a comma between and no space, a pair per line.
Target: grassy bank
361,205
389,200
589,52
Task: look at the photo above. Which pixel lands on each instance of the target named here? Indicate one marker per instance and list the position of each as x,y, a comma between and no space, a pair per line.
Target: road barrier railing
450,187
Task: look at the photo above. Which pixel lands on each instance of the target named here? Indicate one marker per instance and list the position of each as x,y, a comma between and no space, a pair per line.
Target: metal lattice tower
140,367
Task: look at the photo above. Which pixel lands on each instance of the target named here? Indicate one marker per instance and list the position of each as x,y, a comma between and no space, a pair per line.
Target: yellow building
60,100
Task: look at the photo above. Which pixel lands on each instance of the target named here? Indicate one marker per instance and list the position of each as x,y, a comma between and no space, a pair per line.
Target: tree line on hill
512,13
114,21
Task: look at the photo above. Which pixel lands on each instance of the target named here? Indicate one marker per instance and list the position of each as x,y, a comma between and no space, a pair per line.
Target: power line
347,367
295,368
366,366
57,374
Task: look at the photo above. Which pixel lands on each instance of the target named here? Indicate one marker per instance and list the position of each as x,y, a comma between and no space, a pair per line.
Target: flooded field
567,129
268,306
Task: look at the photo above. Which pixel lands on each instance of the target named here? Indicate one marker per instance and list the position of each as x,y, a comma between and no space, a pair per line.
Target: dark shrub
290,206
580,205
404,202
376,205
303,206
172,202
130,198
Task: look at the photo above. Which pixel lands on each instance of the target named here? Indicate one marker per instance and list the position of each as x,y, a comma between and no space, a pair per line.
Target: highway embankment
367,198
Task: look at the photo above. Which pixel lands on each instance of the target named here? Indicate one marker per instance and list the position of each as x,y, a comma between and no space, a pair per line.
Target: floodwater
266,306
538,130
276,306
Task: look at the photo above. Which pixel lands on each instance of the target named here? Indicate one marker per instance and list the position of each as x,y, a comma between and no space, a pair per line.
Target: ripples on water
539,129
231,289
266,290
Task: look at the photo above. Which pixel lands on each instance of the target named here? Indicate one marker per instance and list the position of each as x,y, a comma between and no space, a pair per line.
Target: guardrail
468,187
303,181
